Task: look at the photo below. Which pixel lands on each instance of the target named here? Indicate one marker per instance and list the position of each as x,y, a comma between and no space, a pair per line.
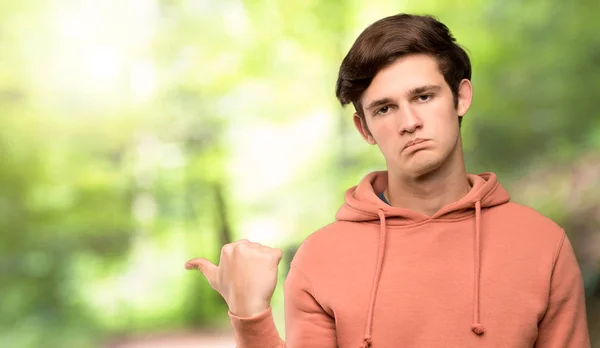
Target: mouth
414,142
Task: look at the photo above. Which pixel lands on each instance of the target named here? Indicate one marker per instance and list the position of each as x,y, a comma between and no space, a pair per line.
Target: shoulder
321,246
516,213
525,225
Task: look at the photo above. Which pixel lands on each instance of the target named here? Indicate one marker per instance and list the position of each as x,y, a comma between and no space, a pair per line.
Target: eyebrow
379,102
413,91
421,89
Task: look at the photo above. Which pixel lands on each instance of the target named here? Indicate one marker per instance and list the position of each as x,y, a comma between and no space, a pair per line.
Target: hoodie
480,272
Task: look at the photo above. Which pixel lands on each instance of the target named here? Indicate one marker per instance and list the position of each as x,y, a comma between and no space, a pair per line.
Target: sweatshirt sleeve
564,323
307,323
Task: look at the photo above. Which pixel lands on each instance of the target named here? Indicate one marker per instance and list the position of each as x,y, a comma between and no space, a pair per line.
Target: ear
362,128
465,97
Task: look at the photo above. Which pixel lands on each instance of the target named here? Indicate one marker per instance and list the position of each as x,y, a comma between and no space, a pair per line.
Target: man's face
410,114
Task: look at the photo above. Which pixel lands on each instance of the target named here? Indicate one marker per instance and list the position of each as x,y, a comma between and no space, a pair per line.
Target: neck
430,192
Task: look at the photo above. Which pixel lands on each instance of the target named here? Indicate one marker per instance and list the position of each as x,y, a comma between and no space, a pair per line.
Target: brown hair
392,37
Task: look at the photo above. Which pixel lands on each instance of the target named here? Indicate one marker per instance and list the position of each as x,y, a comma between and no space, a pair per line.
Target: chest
425,298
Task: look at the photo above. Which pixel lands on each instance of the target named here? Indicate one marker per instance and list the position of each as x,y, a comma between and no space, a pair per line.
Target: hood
362,204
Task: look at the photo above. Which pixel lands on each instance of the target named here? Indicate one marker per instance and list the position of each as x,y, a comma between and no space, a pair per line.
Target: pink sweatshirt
481,272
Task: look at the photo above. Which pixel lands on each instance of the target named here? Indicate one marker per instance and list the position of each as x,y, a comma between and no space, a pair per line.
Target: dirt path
175,340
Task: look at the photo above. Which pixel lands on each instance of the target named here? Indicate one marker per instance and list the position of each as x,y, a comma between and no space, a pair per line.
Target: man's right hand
246,276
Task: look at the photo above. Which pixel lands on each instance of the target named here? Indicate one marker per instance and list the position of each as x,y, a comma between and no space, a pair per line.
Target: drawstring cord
380,254
476,326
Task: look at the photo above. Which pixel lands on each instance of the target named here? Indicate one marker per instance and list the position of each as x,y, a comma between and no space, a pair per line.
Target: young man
423,254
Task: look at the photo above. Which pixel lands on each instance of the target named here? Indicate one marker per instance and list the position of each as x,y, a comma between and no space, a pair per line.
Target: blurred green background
136,134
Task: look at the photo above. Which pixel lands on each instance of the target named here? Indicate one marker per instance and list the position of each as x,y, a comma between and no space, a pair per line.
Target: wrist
249,310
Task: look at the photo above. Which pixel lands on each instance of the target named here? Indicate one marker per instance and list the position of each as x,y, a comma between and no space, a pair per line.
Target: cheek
383,133
387,142
443,109
442,117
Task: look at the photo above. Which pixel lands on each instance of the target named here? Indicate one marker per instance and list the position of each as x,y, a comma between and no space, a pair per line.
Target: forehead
402,75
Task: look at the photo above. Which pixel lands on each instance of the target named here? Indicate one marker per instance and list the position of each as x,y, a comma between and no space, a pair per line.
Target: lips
414,142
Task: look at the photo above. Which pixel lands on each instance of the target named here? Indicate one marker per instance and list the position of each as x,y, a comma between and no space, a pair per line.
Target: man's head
408,79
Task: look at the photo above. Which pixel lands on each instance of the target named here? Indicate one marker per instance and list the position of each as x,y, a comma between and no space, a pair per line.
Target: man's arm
565,322
246,278
307,323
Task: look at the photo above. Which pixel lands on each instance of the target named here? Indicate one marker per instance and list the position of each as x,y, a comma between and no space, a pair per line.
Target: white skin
423,177
246,276
407,100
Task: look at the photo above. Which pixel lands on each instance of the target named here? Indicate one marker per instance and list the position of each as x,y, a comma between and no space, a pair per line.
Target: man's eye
383,110
424,97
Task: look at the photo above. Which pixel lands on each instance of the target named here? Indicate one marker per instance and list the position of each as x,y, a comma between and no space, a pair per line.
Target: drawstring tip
366,342
477,328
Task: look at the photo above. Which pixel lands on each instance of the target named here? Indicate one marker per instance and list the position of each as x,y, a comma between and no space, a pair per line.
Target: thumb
207,268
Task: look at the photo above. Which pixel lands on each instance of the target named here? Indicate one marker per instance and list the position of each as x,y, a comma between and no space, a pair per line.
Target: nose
409,120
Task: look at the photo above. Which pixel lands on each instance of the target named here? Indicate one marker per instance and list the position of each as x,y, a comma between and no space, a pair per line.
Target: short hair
390,38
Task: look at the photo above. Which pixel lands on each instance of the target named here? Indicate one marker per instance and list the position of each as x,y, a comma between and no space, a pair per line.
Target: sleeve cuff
257,331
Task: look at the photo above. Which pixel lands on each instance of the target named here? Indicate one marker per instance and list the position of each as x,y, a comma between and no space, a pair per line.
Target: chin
419,167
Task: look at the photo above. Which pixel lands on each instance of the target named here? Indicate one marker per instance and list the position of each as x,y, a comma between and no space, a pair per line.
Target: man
423,254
